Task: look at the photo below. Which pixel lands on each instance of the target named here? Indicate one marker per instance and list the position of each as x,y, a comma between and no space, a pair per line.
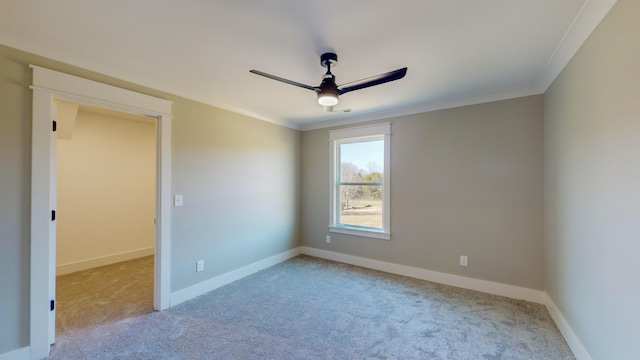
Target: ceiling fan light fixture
327,98
328,92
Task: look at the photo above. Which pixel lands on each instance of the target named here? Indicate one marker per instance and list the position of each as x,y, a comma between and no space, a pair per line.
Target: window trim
355,134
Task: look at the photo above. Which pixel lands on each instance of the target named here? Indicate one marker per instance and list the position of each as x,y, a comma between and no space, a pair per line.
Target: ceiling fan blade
290,82
373,80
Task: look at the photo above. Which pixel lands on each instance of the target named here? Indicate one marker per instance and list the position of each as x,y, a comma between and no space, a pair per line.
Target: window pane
361,205
362,161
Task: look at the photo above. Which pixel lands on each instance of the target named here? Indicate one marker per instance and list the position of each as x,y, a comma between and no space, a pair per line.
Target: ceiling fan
328,92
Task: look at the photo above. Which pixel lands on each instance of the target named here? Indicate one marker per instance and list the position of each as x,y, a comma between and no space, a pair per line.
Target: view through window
361,183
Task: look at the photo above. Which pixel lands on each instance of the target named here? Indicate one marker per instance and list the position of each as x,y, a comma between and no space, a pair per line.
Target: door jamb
49,85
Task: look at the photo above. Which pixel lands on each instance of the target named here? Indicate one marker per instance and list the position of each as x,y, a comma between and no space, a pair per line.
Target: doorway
49,86
106,171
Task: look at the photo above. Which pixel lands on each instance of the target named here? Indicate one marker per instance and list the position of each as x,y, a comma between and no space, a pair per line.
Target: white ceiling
458,52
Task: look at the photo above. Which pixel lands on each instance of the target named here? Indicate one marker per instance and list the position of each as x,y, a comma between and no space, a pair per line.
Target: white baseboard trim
17,354
579,351
224,279
103,260
485,286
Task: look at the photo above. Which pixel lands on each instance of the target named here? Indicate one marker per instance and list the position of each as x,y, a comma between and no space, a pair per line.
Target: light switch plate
177,200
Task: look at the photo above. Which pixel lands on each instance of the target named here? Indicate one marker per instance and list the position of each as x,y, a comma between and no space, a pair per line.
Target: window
360,181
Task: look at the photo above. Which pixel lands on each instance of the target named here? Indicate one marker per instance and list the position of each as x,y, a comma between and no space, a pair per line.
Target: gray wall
15,197
464,181
592,188
240,178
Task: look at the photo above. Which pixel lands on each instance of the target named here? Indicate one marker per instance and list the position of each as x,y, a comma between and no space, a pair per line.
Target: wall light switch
177,200
328,239
199,265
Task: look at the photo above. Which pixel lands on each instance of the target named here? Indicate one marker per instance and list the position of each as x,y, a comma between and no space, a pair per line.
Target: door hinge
55,125
53,215
52,305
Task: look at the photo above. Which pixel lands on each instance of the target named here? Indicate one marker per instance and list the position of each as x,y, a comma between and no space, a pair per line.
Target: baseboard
224,279
17,354
579,351
204,287
485,286
103,260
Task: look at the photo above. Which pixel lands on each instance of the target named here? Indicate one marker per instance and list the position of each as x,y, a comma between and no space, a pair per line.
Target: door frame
48,86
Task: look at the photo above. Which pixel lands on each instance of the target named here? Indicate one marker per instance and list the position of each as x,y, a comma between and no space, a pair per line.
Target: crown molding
579,31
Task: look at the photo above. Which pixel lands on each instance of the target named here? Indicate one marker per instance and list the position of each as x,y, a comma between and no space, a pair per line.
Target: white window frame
351,135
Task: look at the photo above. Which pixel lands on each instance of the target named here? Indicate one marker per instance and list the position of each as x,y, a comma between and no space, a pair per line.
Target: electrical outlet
464,261
199,265
328,239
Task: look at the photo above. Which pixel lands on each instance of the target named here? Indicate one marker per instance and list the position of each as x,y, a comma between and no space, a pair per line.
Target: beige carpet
308,308
104,294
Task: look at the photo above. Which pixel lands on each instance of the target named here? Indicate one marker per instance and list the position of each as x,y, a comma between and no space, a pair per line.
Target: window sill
360,232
